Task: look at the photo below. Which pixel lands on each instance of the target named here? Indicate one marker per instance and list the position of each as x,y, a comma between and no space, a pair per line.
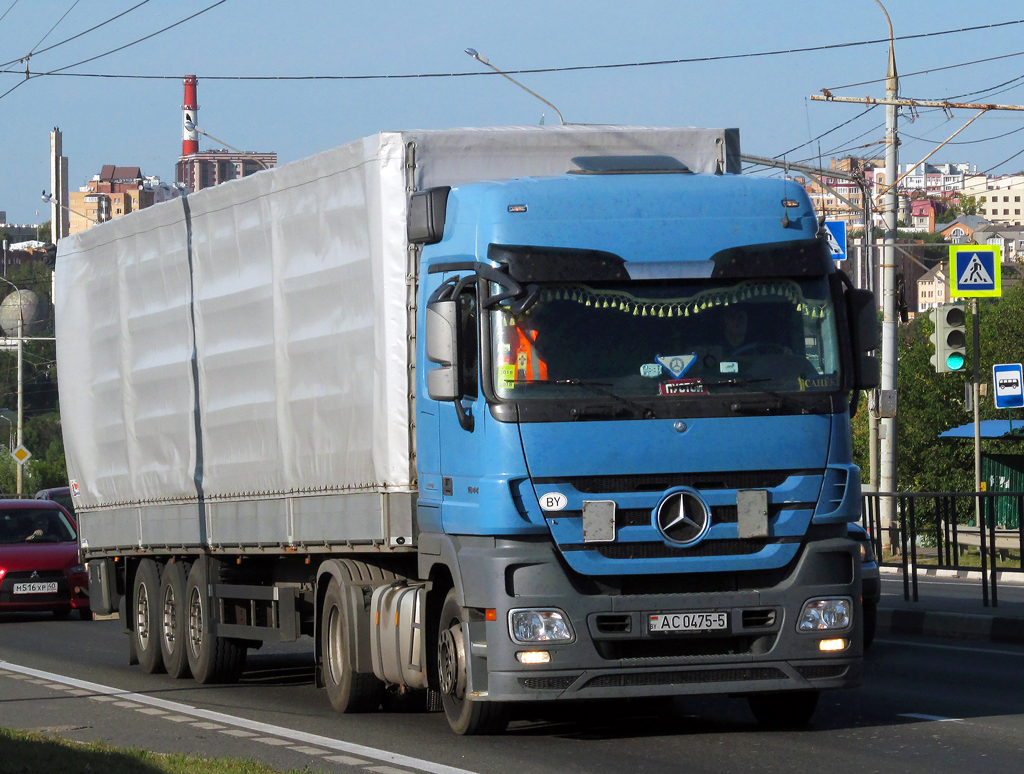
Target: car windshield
34,525
680,338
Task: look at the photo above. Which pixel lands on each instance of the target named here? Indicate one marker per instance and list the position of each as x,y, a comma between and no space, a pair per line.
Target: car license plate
36,588
687,622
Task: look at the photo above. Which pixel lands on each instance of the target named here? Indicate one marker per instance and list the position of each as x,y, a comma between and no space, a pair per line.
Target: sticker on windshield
682,387
825,382
650,370
507,376
677,365
729,367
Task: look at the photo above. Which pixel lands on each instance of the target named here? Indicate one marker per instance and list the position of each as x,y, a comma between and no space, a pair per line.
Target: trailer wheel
146,616
173,619
466,716
786,710
348,690
212,659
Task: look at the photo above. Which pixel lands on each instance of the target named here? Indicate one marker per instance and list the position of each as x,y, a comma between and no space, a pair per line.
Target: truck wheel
146,618
790,709
211,659
348,690
870,624
466,716
173,618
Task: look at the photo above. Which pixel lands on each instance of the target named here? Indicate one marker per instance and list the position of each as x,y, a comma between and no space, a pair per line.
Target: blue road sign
1008,381
835,232
975,271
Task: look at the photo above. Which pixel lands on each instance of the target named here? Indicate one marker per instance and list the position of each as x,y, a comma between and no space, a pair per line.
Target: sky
137,122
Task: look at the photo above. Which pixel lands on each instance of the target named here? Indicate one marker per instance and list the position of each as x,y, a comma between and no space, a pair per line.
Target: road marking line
130,704
309,750
179,718
271,740
348,760
237,732
102,698
386,770
934,646
151,711
935,718
208,726
263,728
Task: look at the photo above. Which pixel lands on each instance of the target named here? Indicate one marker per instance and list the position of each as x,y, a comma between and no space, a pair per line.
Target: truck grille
659,482
822,672
676,647
693,677
662,551
547,683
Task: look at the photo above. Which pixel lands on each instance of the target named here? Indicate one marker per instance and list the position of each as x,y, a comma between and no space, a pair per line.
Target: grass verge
24,752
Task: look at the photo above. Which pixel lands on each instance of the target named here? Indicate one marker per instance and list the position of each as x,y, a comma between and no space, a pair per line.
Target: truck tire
465,716
146,616
211,659
173,619
784,710
348,690
870,624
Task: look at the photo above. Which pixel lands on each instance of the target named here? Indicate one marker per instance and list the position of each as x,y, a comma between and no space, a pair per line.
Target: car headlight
867,553
549,625
826,614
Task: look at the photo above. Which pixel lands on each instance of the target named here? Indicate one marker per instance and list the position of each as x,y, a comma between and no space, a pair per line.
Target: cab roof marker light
517,208
790,203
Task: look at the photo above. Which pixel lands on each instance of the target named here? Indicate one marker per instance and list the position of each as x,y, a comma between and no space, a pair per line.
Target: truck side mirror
443,348
866,335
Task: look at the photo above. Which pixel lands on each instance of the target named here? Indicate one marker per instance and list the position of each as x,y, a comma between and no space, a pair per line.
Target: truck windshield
678,338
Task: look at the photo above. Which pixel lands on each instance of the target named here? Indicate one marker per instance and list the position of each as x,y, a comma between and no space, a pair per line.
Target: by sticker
682,387
553,501
729,367
677,365
650,370
507,376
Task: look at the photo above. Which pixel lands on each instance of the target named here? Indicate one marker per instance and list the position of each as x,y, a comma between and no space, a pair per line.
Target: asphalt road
925,706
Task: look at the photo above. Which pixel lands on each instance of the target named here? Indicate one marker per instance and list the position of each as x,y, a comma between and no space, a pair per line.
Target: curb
958,626
1016,578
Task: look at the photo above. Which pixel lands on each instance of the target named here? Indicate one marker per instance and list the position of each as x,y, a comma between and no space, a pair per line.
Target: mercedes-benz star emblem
682,518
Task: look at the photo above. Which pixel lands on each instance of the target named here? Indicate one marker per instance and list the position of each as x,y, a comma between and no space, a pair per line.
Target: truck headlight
825,614
548,625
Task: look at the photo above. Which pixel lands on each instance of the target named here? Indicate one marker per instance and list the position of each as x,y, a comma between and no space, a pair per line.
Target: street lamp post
20,470
484,61
51,199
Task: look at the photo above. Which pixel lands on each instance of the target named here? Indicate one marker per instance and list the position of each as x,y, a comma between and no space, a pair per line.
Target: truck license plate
36,588
687,622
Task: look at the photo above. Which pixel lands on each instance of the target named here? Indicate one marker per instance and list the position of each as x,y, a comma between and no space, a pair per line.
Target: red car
39,564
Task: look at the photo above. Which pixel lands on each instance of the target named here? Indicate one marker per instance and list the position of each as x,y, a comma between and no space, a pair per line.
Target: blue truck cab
633,399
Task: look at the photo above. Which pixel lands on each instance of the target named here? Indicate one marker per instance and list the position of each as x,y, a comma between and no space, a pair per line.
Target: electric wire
69,10
9,9
929,70
529,71
824,134
73,37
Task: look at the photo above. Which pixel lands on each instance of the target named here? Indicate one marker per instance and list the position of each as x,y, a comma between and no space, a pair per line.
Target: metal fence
943,530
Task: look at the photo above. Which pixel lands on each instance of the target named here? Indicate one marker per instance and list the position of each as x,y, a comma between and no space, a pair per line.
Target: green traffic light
955,361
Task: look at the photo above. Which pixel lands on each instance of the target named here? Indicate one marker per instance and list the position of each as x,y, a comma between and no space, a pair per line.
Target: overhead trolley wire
530,71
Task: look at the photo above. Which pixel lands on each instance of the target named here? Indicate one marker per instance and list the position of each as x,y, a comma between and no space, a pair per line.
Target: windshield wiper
598,387
776,400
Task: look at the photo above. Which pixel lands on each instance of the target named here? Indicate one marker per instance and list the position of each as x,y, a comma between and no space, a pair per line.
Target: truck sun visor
558,264
804,258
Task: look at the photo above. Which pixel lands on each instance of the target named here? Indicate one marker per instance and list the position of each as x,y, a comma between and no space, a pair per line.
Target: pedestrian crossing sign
974,271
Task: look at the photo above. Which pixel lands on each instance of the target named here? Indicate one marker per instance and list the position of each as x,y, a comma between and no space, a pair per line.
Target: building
204,169
1010,240
933,288
999,198
114,192
934,179
827,203
961,230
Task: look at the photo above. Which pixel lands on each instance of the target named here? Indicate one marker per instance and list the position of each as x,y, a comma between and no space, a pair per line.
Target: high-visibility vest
528,363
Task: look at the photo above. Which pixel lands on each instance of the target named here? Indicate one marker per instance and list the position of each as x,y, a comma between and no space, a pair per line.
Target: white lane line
934,718
348,760
309,750
960,648
373,753
237,732
271,740
151,711
386,770
208,726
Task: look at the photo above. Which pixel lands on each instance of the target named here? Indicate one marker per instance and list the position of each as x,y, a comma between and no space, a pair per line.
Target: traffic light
950,339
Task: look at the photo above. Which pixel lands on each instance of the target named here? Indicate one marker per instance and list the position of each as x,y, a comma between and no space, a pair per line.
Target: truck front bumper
613,653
